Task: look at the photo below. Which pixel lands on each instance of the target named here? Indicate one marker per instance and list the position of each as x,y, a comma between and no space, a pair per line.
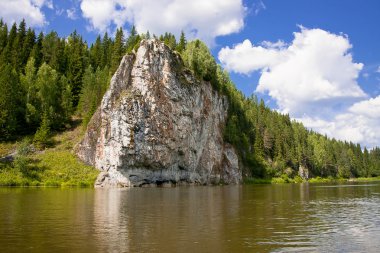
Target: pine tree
9,101
18,45
3,35
36,52
96,53
66,99
51,50
118,50
95,85
42,135
74,74
182,43
107,50
27,46
132,40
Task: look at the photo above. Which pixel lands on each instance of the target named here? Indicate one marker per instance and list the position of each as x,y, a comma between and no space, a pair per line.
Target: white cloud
48,3
360,124
30,10
314,79
275,45
378,70
198,18
315,70
71,14
369,108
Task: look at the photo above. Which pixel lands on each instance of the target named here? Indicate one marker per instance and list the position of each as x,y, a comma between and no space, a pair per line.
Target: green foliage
95,85
75,50
52,169
10,99
42,136
270,144
118,50
133,40
28,81
198,58
169,40
45,79
181,46
57,166
47,83
61,168
66,105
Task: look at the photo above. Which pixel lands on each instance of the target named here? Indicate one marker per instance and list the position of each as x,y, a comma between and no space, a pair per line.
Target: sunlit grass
365,179
56,166
284,180
62,168
7,148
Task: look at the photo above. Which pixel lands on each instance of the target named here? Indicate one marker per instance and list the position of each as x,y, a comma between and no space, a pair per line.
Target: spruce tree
3,35
118,50
36,52
10,107
182,43
74,73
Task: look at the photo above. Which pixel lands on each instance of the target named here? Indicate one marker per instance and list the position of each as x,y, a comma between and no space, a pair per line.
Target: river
249,218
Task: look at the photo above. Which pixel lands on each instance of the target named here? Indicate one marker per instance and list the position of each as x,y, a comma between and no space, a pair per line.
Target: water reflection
174,220
260,218
110,225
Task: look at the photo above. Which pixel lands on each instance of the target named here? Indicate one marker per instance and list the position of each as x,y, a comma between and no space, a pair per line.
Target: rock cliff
158,125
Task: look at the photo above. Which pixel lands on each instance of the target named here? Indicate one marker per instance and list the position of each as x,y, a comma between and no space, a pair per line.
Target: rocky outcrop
158,125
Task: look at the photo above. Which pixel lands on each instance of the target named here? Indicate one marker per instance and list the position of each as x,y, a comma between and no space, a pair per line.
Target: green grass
56,166
284,180
251,180
7,148
364,179
62,168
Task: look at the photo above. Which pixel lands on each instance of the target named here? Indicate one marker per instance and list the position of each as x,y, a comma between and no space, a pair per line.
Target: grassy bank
285,180
55,166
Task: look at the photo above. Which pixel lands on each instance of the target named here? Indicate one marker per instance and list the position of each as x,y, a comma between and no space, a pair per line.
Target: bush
198,58
41,137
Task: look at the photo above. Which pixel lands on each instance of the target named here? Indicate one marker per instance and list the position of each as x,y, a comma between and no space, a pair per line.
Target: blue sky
319,61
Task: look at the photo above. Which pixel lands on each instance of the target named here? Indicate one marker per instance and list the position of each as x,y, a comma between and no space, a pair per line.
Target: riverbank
55,166
297,180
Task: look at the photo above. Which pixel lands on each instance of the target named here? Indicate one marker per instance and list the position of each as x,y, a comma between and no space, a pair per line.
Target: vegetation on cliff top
45,80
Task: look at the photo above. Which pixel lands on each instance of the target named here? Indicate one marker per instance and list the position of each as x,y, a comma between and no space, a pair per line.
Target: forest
46,80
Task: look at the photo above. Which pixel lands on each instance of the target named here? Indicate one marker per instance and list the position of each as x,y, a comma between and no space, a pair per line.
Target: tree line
270,144
46,79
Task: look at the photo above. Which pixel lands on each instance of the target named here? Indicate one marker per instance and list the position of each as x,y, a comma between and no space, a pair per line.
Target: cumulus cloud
198,18
314,79
378,69
315,68
30,10
359,124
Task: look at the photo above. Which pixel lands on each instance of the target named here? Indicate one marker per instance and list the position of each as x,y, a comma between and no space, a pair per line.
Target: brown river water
248,218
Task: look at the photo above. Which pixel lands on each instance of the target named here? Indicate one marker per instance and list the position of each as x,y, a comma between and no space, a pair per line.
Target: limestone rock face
158,125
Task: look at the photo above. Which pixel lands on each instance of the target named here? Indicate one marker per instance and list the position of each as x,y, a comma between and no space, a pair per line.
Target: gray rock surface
158,125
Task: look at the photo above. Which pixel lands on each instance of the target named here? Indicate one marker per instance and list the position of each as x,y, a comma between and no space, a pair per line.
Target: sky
318,61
